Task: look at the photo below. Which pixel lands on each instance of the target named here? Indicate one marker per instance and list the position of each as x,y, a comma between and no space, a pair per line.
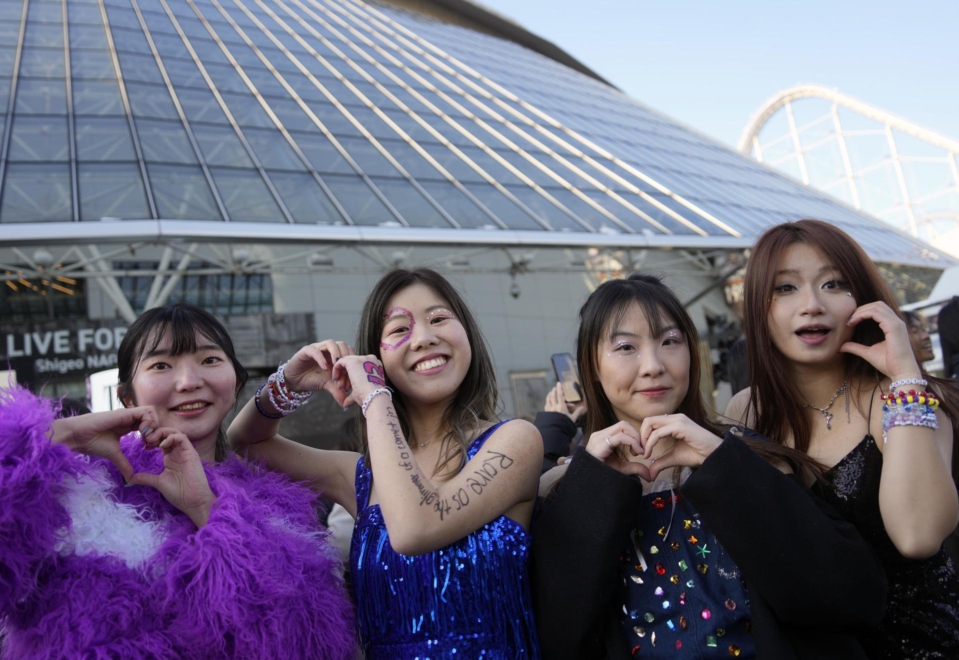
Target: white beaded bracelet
907,381
369,398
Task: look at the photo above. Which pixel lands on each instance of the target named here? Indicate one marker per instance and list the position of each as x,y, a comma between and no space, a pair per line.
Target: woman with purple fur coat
200,556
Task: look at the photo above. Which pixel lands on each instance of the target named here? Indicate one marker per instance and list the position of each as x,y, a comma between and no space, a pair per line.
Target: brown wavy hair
774,400
476,397
598,318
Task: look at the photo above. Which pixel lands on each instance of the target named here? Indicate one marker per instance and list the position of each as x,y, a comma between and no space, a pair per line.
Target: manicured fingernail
127,485
146,431
346,408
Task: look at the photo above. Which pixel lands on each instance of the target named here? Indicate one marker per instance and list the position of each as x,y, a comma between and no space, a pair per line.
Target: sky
710,65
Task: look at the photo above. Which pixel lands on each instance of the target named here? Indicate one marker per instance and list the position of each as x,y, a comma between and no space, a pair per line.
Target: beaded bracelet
259,406
372,395
908,409
907,381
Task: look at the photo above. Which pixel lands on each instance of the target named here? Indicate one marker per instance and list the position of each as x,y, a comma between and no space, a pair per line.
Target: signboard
60,350
73,349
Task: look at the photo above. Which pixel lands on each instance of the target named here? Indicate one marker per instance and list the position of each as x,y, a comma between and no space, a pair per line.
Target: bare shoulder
736,410
519,435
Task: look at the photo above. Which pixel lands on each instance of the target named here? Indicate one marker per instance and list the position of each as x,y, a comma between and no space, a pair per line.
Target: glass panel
141,68
78,12
221,146
41,97
334,120
201,105
529,169
305,199
165,141
92,64
411,204
181,193
87,36
170,45
39,138
412,161
225,77
96,98
369,157
41,12
7,56
372,123
42,63
322,154
273,150
104,139
11,11
266,83
247,111
246,197
4,95
184,73
291,115
9,30
44,34
458,205
131,40
151,101
545,209
453,164
359,201
492,166
504,208
36,193
112,190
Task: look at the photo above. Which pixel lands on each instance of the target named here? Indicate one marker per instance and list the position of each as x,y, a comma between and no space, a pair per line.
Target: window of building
25,300
224,293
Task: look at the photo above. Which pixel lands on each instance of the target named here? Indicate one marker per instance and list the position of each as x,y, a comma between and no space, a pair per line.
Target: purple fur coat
91,569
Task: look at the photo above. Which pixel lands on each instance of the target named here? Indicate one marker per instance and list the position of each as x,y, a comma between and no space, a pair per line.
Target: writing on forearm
375,373
494,463
488,470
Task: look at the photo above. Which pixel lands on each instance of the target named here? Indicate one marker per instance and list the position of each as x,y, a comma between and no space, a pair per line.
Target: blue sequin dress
682,594
470,599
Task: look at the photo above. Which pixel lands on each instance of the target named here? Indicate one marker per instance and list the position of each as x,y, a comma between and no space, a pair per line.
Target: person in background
919,336
948,323
560,425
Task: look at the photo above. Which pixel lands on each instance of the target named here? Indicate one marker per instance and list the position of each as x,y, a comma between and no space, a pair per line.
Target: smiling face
643,375
192,392
424,348
810,306
921,341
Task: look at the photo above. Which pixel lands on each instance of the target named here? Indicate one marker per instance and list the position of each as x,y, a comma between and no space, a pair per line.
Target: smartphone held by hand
567,373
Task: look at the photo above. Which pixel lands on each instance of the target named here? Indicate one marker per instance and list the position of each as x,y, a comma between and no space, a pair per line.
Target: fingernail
146,431
346,408
127,485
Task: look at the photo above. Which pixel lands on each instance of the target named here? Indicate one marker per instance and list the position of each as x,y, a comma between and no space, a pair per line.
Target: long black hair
183,322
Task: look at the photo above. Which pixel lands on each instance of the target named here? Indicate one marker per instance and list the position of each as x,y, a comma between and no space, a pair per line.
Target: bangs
655,312
182,325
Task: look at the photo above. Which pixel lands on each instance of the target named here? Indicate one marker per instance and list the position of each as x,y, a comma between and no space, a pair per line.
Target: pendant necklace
824,411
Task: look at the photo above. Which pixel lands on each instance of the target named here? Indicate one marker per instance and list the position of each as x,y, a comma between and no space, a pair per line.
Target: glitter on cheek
409,333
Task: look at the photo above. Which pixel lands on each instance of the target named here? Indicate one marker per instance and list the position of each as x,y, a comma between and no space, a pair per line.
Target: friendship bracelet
256,400
903,398
369,398
907,381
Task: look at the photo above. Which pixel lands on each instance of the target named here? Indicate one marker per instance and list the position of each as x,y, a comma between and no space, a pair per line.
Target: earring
849,293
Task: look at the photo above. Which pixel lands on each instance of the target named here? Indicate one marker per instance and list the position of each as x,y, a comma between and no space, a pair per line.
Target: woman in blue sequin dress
712,552
444,496
824,342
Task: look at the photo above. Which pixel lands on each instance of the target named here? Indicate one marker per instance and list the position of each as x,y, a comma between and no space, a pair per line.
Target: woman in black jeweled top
830,366
712,552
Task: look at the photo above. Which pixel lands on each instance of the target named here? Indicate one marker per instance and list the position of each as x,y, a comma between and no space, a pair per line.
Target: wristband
907,381
256,400
372,395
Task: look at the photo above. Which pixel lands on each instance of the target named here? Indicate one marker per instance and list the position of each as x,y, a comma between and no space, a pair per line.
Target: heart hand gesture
692,444
98,434
183,482
310,370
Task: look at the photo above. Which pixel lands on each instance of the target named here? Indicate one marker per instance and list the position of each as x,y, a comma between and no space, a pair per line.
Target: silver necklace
824,411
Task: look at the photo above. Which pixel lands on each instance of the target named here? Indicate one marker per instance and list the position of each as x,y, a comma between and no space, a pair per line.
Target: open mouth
813,334
430,363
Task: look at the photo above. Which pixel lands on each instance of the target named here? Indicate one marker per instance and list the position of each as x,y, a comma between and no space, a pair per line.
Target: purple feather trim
258,581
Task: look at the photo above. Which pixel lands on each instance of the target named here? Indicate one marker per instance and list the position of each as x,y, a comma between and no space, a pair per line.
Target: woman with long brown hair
658,566
833,375
443,496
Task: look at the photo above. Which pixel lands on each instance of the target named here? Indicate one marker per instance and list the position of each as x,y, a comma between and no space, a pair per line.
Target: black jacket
558,431
812,578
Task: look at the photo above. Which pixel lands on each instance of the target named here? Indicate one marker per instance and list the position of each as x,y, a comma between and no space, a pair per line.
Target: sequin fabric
682,595
922,617
470,599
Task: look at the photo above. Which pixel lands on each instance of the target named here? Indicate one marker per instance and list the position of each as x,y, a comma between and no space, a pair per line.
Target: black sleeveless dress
922,617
